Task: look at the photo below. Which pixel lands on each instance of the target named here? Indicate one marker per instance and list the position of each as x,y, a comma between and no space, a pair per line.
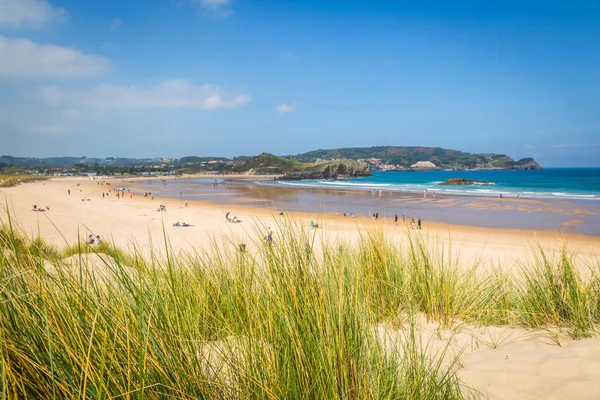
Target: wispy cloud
216,8
285,108
288,56
22,58
566,146
172,94
42,129
114,24
530,146
29,13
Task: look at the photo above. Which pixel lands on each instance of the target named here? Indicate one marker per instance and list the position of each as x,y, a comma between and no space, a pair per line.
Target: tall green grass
296,318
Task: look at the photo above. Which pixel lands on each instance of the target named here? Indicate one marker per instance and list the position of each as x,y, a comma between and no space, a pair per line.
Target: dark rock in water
336,169
461,181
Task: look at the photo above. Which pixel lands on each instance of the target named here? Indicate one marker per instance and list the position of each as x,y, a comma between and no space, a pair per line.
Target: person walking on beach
269,236
419,223
69,191
186,204
396,218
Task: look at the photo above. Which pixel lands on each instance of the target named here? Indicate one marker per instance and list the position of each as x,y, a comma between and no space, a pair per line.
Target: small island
461,181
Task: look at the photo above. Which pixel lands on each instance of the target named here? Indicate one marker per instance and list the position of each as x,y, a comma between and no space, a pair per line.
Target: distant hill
264,164
68,161
406,156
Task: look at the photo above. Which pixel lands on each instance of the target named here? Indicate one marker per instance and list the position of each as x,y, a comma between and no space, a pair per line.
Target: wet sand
559,216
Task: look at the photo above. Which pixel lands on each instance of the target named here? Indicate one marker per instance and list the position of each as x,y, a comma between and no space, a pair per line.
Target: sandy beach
135,219
521,365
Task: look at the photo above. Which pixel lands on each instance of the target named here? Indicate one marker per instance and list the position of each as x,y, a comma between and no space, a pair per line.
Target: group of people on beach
233,219
93,240
413,224
351,215
183,224
40,209
425,193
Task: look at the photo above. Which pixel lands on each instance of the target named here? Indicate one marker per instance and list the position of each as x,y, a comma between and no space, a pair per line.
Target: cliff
526,163
334,169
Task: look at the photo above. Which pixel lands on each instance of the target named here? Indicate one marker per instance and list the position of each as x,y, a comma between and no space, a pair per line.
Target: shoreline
135,222
556,215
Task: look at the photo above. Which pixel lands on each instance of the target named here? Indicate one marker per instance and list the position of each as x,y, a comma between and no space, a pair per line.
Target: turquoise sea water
566,199
565,183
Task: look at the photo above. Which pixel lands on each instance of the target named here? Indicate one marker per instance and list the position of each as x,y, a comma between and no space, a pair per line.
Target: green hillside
264,164
406,156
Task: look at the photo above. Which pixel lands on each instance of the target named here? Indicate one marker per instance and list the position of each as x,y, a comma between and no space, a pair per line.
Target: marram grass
280,321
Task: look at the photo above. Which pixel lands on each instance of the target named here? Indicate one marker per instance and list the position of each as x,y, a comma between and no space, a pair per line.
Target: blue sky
238,77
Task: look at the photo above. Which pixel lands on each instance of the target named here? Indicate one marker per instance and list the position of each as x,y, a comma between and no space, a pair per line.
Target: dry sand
521,367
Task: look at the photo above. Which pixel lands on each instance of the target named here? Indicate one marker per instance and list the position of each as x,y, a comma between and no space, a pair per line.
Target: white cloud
288,55
22,58
216,8
114,24
48,129
29,13
285,108
51,95
170,94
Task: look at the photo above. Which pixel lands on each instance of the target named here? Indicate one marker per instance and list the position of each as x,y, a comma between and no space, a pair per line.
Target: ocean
550,183
551,199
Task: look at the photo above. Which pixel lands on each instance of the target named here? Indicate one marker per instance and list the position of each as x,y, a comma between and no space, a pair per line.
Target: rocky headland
335,169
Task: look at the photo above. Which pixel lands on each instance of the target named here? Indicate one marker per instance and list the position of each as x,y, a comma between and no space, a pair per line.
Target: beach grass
295,318
10,180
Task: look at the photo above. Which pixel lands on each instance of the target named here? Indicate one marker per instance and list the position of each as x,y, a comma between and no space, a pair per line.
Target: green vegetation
14,180
280,320
406,156
265,164
262,164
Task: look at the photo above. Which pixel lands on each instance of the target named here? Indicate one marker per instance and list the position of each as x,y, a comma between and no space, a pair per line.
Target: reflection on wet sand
475,211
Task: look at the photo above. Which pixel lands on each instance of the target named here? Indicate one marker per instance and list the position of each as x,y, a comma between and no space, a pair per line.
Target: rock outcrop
526,164
461,181
335,169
